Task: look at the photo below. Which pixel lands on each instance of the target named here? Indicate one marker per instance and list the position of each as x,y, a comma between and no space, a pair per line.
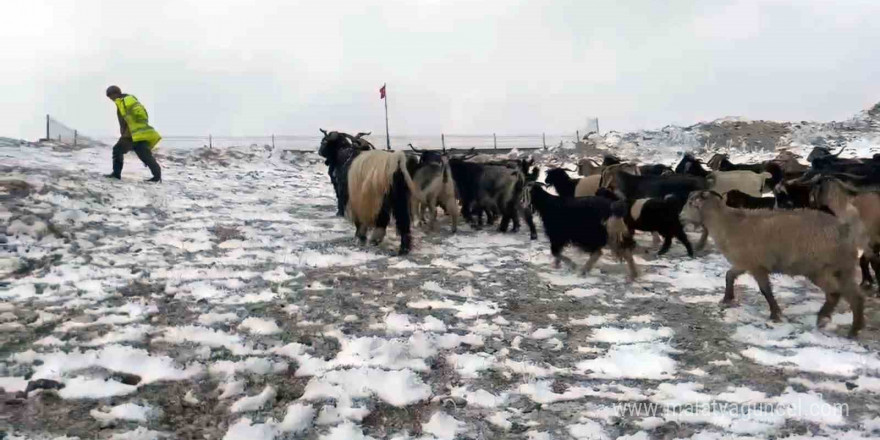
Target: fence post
273,141
443,140
47,127
494,141
577,135
544,140
74,137
210,141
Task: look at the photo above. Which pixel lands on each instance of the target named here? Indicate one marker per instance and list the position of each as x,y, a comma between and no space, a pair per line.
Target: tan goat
811,243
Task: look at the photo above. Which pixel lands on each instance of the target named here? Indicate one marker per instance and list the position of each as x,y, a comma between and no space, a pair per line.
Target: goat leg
533,233
875,264
730,279
377,236
655,238
704,236
432,214
360,233
867,280
763,280
683,238
632,270
857,302
559,258
667,242
591,262
824,315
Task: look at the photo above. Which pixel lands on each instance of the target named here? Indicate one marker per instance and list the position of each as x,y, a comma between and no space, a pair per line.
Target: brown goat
811,243
838,197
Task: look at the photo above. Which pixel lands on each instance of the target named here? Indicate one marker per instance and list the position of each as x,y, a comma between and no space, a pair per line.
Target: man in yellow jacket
135,134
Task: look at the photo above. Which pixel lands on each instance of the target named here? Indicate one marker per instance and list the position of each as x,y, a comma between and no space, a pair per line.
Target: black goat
739,199
660,215
639,187
792,194
492,189
339,150
654,170
589,223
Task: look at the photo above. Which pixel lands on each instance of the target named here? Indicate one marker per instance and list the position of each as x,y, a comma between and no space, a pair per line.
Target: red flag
382,92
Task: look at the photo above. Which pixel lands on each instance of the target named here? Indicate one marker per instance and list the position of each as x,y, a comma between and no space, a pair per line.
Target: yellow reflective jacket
137,119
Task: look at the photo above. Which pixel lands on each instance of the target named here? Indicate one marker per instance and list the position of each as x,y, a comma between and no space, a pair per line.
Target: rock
126,378
43,384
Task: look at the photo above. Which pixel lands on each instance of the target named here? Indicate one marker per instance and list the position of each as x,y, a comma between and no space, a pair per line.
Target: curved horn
323,131
362,134
416,149
841,151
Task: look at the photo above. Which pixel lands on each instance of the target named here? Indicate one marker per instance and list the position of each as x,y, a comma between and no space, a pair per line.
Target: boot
117,167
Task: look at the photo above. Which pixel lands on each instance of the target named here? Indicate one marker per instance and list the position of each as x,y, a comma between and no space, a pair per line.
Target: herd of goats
821,221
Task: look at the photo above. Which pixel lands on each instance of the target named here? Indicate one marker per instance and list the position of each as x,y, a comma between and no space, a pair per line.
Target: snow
587,430
398,388
627,336
297,419
239,274
245,429
259,326
442,426
125,411
636,361
253,403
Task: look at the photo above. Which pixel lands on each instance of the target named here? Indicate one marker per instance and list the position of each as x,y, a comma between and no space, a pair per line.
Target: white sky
462,67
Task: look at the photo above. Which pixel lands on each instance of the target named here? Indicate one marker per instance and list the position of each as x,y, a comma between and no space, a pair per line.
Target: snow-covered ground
229,302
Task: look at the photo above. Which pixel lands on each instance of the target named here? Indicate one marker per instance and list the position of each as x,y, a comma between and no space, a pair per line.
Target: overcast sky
511,67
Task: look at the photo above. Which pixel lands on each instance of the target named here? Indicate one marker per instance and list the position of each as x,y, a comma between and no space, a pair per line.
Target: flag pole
387,135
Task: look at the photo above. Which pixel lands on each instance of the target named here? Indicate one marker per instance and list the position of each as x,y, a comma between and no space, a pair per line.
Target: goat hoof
853,334
822,321
535,237
776,318
728,302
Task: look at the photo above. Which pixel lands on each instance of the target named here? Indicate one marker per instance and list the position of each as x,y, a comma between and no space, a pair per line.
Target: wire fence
58,132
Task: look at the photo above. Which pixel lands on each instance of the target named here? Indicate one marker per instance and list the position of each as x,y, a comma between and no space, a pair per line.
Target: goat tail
413,188
620,239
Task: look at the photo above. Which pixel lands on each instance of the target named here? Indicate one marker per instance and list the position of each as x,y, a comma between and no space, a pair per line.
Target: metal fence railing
306,142
58,132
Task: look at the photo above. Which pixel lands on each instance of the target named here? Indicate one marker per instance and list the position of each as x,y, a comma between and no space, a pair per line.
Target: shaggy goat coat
379,184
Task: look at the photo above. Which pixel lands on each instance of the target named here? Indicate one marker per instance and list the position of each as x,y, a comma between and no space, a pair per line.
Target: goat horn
323,131
841,151
415,149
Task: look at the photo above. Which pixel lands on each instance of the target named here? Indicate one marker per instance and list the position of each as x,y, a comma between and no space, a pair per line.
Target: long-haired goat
434,179
379,185
338,150
811,243
837,197
589,223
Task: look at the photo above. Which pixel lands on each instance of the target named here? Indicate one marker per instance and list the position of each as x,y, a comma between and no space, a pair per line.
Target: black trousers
142,149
